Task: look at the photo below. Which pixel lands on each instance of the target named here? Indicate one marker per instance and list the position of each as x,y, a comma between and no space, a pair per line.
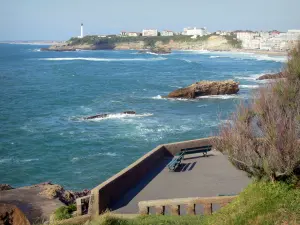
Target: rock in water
129,112
96,116
272,76
203,88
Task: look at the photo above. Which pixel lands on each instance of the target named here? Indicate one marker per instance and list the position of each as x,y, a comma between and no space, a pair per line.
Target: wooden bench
186,151
201,149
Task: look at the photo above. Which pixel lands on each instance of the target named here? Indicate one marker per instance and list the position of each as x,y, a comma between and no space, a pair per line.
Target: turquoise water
44,95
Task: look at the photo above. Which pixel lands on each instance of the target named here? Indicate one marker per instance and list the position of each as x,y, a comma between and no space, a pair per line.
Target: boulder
4,187
52,191
203,88
12,215
272,76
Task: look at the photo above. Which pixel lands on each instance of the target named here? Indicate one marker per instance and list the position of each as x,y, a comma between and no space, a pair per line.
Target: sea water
44,97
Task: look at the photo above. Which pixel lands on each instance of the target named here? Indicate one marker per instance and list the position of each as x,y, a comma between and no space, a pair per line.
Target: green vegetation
260,203
232,40
148,41
64,212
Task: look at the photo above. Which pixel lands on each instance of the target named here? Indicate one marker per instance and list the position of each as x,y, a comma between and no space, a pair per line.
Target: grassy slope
260,203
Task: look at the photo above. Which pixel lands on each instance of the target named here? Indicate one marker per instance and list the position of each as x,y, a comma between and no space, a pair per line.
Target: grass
260,203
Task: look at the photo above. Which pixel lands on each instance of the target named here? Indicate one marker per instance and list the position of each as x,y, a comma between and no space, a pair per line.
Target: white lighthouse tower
81,31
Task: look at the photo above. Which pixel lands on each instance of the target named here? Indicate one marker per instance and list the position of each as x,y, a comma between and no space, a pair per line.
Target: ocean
45,95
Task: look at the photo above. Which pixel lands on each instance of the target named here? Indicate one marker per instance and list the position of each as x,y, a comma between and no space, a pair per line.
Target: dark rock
206,88
4,187
272,76
96,116
129,112
106,115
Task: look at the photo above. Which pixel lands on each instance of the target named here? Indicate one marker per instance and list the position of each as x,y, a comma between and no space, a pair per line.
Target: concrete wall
115,187
174,148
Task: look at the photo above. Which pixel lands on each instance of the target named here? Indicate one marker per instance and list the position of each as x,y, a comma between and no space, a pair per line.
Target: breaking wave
102,59
120,116
110,154
249,86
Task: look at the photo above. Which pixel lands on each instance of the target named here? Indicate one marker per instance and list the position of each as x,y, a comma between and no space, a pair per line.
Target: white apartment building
133,34
150,32
167,33
194,31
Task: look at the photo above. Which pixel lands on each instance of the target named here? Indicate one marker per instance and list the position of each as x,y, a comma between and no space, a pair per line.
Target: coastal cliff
209,42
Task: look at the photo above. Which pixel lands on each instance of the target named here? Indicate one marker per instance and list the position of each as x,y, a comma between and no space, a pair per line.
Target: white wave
85,109
121,116
11,160
251,77
102,59
157,97
36,50
200,106
174,86
5,160
249,86
28,160
110,154
214,56
221,96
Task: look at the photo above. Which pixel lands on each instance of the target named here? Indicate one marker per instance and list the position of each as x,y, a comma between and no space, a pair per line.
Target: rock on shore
271,76
203,88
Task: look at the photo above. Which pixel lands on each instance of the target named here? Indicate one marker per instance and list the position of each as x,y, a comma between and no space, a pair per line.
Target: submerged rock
106,115
272,76
203,88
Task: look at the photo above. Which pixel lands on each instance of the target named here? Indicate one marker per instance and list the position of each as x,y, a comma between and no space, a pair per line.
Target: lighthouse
81,31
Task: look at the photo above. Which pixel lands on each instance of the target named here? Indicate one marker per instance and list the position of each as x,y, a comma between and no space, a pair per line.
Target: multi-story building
150,32
167,33
194,31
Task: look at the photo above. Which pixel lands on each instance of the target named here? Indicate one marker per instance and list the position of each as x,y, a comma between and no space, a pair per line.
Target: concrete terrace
197,177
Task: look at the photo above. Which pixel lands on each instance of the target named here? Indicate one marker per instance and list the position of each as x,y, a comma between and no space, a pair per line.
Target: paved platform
197,177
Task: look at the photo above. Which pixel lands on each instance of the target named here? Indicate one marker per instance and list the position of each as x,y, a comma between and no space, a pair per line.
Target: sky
61,19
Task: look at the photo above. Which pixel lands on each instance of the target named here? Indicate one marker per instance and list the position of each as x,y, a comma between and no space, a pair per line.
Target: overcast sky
60,19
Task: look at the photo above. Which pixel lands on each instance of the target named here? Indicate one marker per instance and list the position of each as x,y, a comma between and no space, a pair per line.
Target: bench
201,149
175,162
186,151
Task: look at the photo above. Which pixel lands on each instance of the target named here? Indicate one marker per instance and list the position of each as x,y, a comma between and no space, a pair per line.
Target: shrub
64,212
262,138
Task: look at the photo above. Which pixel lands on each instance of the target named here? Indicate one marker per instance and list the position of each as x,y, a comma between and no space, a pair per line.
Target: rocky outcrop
52,191
4,187
272,76
203,88
12,215
106,115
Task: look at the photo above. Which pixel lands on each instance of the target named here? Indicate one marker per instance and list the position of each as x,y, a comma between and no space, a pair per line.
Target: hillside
180,42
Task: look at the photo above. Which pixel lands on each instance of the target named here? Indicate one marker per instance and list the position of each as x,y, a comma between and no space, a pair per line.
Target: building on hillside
167,33
293,35
123,33
133,34
150,32
194,31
